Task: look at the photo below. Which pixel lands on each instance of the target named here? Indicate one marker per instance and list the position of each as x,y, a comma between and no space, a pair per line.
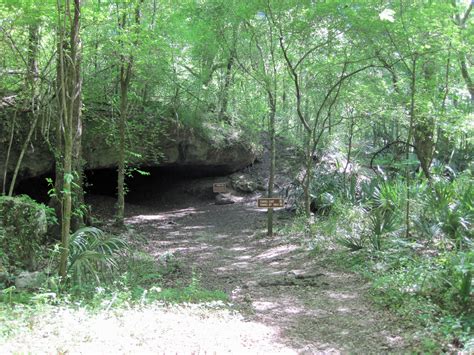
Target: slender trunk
307,180
77,163
66,204
32,70
122,149
153,17
22,154
225,91
407,147
284,106
467,78
31,78
461,21
349,149
56,200
7,160
69,96
271,179
126,66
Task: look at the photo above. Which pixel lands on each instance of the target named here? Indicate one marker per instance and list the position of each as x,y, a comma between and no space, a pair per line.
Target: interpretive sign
220,187
270,202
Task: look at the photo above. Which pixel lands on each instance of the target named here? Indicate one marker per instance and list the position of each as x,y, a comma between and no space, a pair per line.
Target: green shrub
23,226
428,278
93,254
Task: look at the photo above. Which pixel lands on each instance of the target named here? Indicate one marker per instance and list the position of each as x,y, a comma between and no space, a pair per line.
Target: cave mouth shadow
35,187
156,184
143,184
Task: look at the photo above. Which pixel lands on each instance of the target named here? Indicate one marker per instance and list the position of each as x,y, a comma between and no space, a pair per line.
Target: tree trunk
22,154
66,203
31,84
349,150
124,81
407,147
424,143
467,78
271,179
307,179
7,159
77,163
69,96
225,91
126,65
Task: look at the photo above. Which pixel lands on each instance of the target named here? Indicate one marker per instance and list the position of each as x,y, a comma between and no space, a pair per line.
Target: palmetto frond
93,254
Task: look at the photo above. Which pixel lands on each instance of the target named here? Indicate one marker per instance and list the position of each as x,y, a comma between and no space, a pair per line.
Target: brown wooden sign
219,187
270,202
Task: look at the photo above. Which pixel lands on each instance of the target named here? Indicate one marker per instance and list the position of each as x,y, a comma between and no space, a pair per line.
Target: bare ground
274,281
284,300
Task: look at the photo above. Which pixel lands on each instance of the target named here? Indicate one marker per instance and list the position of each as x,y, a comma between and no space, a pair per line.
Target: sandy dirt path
314,307
284,300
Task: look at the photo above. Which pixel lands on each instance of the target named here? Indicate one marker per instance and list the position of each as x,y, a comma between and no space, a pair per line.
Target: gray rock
244,183
177,147
224,199
3,277
23,226
29,280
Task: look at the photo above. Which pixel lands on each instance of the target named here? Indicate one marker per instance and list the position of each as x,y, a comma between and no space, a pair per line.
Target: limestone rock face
224,199
246,183
157,145
23,226
29,280
4,277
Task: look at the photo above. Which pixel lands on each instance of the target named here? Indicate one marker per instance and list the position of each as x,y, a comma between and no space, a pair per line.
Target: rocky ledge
166,144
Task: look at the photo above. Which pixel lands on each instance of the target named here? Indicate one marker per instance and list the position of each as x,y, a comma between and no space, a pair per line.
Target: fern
93,254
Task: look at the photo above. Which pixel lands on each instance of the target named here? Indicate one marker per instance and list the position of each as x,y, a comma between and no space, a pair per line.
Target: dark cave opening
144,184
36,187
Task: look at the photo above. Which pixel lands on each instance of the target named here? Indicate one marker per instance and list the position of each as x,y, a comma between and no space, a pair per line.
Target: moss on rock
23,226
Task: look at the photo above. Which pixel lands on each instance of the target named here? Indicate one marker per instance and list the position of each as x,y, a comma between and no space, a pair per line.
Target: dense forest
140,141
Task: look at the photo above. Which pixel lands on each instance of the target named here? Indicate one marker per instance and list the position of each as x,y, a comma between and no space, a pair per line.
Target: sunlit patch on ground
341,295
291,297
151,330
162,217
278,251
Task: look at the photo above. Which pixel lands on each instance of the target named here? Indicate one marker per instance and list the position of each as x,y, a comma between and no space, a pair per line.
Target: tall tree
69,97
263,69
325,57
125,76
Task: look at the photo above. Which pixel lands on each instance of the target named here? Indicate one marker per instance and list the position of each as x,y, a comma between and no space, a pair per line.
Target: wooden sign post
270,202
219,187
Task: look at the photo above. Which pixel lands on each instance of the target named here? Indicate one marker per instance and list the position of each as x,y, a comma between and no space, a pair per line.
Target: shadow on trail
271,280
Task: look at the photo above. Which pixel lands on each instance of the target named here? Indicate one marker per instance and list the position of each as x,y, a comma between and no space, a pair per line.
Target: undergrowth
425,278
104,275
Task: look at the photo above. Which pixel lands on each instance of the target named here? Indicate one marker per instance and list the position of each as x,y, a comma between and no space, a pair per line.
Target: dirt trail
271,281
284,300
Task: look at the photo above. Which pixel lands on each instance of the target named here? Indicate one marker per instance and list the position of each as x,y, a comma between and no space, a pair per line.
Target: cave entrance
160,185
164,186
36,187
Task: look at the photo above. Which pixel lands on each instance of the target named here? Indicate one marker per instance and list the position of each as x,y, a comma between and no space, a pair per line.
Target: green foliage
192,293
93,254
448,211
23,226
138,279
188,56
432,291
427,279
381,225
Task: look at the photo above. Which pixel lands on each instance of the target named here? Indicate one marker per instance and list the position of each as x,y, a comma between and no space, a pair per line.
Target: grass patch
413,288
138,282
